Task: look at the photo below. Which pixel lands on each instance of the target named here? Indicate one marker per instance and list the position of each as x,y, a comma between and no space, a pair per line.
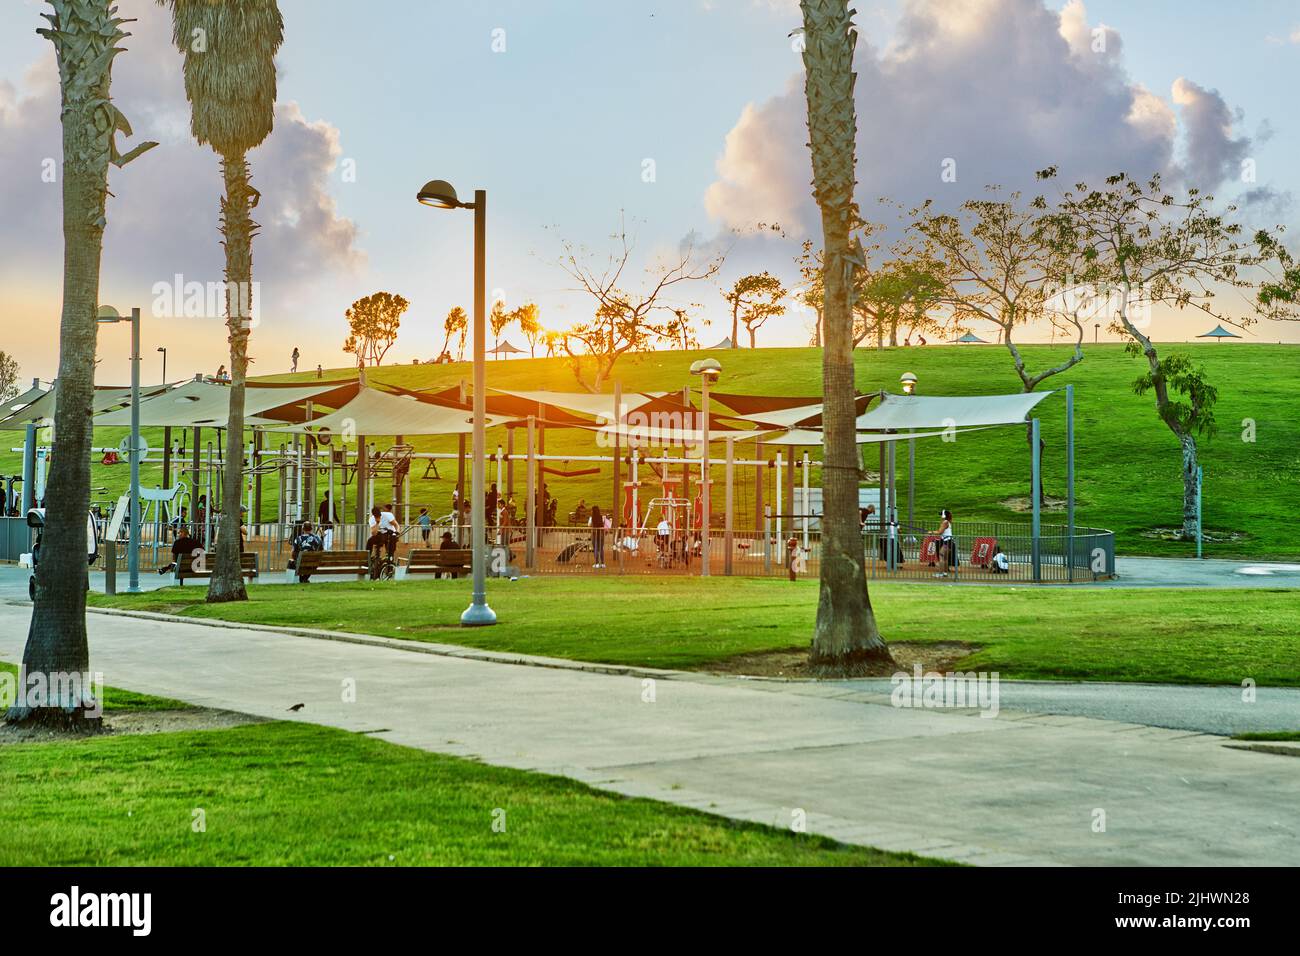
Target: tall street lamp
108,315
708,370
164,355
440,194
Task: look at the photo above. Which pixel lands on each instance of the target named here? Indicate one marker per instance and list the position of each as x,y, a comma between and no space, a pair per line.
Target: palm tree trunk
84,34
237,228
846,640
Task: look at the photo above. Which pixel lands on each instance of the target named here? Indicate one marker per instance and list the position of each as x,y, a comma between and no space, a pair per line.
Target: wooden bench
355,563
452,561
185,570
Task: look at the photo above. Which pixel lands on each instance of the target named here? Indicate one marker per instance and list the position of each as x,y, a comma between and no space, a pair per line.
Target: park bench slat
453,561
356,563
185,567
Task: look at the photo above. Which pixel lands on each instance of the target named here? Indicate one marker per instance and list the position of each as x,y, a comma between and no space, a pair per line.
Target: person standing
597,537
490,506
947,545
426,524
294,358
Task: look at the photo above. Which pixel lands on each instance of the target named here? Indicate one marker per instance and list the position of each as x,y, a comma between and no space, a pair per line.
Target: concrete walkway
1207,710
1021,788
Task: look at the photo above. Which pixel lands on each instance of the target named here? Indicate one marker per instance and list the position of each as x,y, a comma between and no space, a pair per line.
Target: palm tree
229,48
846,641
85,34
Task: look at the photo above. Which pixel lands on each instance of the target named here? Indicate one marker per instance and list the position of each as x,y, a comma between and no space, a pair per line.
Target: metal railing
897,553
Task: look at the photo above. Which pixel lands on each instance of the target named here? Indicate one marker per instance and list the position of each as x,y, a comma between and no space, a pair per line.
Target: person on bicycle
385,533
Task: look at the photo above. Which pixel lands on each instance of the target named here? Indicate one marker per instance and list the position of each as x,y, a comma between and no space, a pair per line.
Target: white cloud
1001,87
163,218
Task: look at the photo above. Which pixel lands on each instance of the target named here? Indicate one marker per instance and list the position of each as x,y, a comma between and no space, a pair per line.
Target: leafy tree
85,34
754,299
1002,263
8,376
373,322
1143,247
456,323
499,318
230,82
529,324
624,321
846,640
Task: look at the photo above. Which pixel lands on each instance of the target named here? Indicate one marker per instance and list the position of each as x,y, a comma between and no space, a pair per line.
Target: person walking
947,545
426,524
597,537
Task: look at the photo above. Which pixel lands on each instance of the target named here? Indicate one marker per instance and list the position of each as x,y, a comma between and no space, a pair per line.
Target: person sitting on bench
448,543
999,563
307,540
183,547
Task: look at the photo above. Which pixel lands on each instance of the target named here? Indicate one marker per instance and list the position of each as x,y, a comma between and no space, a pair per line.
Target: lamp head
440,194
708,369
107,313
909,382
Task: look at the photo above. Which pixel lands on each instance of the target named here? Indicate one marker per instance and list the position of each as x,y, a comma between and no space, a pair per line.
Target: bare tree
624,321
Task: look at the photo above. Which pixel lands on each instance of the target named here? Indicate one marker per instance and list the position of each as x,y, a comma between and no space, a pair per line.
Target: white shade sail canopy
948,411
202,404
41,410
581,403
814,437
654,435
21,401
374,412
782,417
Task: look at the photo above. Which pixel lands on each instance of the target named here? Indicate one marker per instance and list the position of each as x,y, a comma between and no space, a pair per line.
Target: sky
683,118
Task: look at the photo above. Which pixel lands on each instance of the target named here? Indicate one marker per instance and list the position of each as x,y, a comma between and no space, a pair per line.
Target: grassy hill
1127,461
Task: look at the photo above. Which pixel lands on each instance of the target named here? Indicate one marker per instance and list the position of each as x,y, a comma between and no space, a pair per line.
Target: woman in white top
947,546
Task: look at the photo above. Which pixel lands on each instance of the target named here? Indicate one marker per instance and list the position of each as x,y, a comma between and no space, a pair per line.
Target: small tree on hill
374,321
754,299
456,323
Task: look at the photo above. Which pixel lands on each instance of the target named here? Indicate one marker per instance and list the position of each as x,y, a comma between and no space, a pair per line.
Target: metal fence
897,553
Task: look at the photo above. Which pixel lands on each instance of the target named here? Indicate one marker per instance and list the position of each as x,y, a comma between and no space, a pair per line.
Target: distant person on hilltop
294,358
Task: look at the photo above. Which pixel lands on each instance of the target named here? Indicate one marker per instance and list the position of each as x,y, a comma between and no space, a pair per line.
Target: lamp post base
478,615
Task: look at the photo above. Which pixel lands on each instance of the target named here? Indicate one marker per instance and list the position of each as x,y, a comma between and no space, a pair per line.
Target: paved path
1021,788
1207,710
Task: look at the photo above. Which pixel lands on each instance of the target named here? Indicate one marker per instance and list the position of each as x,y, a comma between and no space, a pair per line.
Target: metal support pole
911,485
1069,478
616,507
704,477
29,471
780,461
1036,544
478,613
767,540
807,472
460,476
759,475
510,462
728,520
1199,531
530,489
133,556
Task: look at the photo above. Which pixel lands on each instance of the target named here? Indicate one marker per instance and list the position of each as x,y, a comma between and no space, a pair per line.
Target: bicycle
382,566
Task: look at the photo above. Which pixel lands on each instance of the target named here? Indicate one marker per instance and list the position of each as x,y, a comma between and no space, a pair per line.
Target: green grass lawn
1269,735
1202,636
301,795
115,699
1128,462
